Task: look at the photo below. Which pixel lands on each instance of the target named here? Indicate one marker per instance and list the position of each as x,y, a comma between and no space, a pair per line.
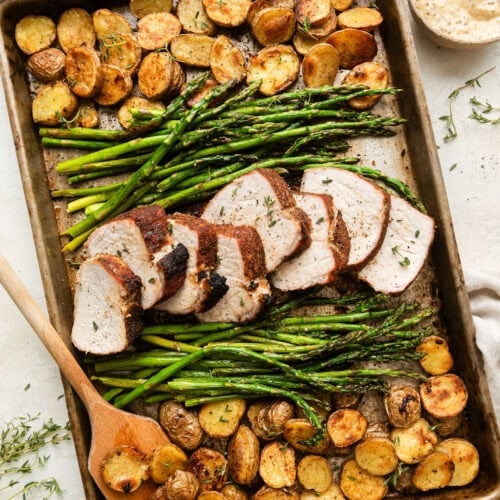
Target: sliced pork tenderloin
201,288
364,207
141,238
320,263
241,260
263,200
403,252
107,308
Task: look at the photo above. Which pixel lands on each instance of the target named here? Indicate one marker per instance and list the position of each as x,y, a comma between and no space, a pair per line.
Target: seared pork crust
122,273
282,190
218,289
341,241
305,224
174,266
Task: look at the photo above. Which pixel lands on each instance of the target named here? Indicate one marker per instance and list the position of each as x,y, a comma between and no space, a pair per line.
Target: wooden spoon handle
47,334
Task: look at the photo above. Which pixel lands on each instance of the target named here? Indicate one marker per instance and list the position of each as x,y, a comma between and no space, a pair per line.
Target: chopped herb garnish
320,220
221,211
152,280
453,167
417,233
326,181
27,386
224,420
94,324
405,262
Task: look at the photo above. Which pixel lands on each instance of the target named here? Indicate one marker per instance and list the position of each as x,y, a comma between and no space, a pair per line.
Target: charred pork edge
173,265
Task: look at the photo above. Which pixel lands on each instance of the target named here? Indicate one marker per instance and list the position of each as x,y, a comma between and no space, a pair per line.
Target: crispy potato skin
210,468
354,46
437,359
182,426
116,86
345,427
47,65
370,74
75,28
324,29
182,485
226,60
320,65
357,484
233,492
444,396
312,12
402,405
243,456
277,465
35,33
433,472
273,25
465,458
83,71
54,102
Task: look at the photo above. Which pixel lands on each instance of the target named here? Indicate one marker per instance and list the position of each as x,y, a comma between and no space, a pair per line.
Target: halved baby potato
277,465
227,13
299,430
87,116
324,29
415,442
243,454
125,117
35,33
194,19
277,66
165,461
234,492
444,396
221,419
370,74
83,71
341,4
465,457
53,103
74,28
122,51
437,359
226,60
273,25
433,472
47,65
108,23
376,455
116,86
314,473
210,468
193,50
346,426
312,12
141,8
157,30
320,65
303,42
361,18
155,75
258,5
357,484
354,46
402,405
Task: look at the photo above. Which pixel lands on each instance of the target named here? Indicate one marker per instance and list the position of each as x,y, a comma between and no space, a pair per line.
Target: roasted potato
47,65
273,418
201,93
314,473
210,468
122,51
156,31
312,12
181,425
35,33
75,28
404,483
303,42
444,396
357,484
445,426
116,86
433,472
108,23
221,419
298,430
437,359
345,427
273,25
243,453
465,458
141,8
252,414
193,50
332,493
226,60
402,405
181,485
53,104
377,456
165,461
370,74
324,29
377,429
227,13
155,75
320,65
86,116
277,465
211,495
354,46
125,469
258,5
266,493
277,66
233,492
126,120
415,442
341,4
361,18
194,19
346,399
83,71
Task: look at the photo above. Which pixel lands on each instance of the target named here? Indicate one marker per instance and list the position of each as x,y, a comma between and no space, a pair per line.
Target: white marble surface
473,192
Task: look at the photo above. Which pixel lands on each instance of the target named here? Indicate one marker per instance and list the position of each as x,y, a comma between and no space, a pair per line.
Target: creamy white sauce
469,21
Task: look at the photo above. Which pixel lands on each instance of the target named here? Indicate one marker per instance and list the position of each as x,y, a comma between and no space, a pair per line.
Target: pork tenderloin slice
364,207
200,239
403,252
320,263
107,309
241,261
263,200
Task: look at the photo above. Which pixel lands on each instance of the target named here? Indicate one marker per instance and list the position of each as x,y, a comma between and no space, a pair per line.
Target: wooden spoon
110,427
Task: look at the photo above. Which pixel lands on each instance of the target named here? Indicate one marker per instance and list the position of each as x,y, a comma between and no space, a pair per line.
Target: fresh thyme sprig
394,477
448,119
480,109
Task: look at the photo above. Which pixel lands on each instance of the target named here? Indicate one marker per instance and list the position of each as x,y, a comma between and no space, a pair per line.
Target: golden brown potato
402,404
156,31
273,418
86,116
266,493
75,28
83,71
332,493
233,492
320,65
465,458
122,51
116,86
201,93
125,469
221,419
141,8
258,5
193,50
211,495
445,426
210,468
53,104
437,359
181,425
370,74
312,12
314,473
324,29
181,485
377,456
433,472
194,19
377,429
273,25
444,396
35,33
277,465
252,414
415,442
227,13
298,430
155,75
165,461
354,46
361,18
346,426
277,66
126,120
341,5
303,42
47,65
108,23
357,484
243,453
226,60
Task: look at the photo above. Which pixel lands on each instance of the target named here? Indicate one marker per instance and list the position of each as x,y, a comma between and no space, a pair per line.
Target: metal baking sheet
411,155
